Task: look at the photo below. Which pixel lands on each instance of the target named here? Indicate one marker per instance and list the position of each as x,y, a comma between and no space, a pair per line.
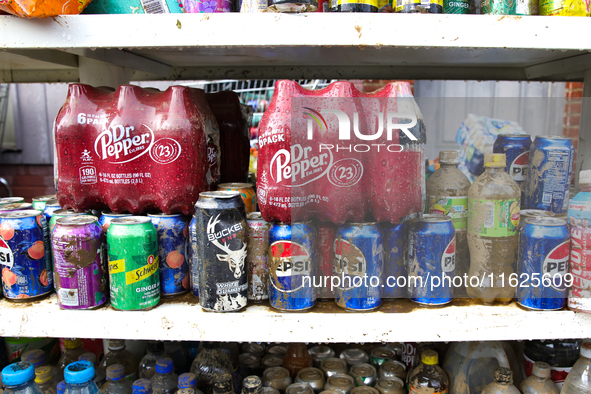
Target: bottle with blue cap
73,350
38,358
117,354
165,380
19,378
61,387
187,381
147,367
79,378
142,386
116,381
100,376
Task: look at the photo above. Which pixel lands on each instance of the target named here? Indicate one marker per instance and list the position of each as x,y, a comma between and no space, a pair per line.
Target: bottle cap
18,373
61,387
222,383
141,386
79,372
430,357
35,357
43,374
88,357
115,372
585,177
251,383
116,344
164,365
495,160
187,380
504,375
586,349
72,343
541,370
449,157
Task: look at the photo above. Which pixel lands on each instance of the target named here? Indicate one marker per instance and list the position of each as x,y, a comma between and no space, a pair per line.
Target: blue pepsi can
431,260
25,256
551,161
50,207
192,257
395,240
359,265
516,148
544,252
292,255
172,231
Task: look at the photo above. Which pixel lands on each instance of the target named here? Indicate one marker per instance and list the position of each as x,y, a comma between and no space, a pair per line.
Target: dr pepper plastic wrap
134,150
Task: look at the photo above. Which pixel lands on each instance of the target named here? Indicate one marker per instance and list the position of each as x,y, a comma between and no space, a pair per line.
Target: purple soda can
173,231
25,256
80,274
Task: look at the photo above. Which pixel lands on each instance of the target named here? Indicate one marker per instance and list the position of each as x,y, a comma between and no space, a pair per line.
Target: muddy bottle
73,350
428,377
223,383
141,386
447,195
503,383
45,381
118,355
297,358
38,358
100,376
165,380
116,382
539,381
19,378
252,385
577,381
209,363
147,367
493,220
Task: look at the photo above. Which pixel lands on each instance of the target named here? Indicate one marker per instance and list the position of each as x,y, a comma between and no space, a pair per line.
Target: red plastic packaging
134,150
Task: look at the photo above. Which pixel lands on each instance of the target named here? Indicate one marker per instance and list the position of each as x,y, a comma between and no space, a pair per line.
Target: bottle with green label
447,195
493,232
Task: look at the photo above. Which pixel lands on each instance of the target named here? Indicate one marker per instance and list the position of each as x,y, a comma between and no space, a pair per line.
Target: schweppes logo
143,272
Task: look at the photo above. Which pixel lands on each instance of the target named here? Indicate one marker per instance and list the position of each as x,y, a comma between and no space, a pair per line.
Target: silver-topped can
50,207
40,201
256,259
391,386
312,376
364,390
380,355
62,213
354,356
277,377
278,349
272,360
299,388
320,353
270,390
249,364
364,374
392,369
79,271
533,213
333,366
254,348
11,200
340,382
17,206
106,218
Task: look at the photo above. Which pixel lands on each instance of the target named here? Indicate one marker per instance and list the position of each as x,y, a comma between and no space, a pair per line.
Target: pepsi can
544,251
292,255
395,240
359,266
550,171
516,147
431,260
193,257
172,231
50,207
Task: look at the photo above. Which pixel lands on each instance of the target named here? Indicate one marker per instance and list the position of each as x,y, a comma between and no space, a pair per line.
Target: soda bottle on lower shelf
493,219
165,380
45,381
100,376
19,378
577,381
116,381
119,355
73,350
297,358
428,377
447,195
141,386
503,383
147,367
209,363
539,381
79,378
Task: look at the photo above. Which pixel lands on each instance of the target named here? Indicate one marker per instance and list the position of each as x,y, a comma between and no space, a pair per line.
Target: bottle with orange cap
428,377
493,232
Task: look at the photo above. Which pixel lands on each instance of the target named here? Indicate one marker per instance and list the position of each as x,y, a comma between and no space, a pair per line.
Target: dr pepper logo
121,144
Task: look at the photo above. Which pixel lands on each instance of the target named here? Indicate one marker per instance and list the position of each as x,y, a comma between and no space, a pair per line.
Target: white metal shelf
401,320
270,45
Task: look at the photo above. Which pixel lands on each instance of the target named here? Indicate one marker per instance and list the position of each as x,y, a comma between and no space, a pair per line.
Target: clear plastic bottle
539,381
447,195
118,355
252,385
100,376
187,381
45,380
165,380
61,387
142,386
209,363
73,350
578,380
19,378
38,358
79,378
503,383
147,367
428,377
493,220
116,381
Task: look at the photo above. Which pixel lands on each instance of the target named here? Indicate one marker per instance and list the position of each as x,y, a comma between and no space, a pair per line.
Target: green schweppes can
133,263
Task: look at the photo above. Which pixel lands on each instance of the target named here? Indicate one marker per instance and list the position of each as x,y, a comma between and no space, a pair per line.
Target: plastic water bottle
61,387
147,367
165,380
38,358
142,386
19,378
100,376
577,381
45,381
116,382
79,377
